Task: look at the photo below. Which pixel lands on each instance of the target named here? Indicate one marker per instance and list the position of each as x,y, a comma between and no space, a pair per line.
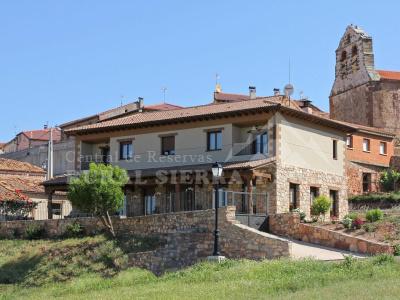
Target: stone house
23,180
276,157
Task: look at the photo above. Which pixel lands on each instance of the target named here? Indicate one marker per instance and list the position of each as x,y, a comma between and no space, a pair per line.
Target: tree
99,192
389,180
321,205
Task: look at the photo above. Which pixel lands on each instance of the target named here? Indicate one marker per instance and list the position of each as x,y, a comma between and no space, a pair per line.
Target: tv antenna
164,91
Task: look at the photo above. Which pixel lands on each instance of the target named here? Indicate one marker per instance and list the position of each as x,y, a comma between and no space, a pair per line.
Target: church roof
391,75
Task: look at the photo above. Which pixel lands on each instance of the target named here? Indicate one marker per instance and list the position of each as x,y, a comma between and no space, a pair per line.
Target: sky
62,60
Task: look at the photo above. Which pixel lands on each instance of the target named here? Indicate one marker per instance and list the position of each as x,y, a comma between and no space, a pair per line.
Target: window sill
214,150
368,151
350,148
383,154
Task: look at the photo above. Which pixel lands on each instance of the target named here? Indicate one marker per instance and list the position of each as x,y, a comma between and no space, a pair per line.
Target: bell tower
350,98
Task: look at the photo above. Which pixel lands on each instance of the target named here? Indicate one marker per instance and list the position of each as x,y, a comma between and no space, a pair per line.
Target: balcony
97,159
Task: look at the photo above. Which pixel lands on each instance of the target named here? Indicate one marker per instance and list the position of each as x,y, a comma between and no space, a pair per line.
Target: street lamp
217,172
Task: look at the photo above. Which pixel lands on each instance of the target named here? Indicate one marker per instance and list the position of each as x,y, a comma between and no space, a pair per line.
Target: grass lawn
28,265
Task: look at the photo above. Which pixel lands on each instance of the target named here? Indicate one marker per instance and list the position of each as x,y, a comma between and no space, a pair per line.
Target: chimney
45,126
306,106
277,92
141,104
252,92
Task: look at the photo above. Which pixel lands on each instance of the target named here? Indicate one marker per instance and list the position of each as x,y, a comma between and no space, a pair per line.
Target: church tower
355,73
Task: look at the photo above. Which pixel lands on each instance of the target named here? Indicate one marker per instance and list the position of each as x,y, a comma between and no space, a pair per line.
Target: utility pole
50,155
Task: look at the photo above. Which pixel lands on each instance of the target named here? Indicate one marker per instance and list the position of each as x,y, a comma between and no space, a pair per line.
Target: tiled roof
10,165
11,186
205,112
162,106
42,134
392,75
252,164
230,97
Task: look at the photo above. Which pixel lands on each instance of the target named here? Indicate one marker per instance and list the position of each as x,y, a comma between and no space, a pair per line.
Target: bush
73,230
321,205
396,250
369,227
383,200
34,232
374,215
389,180
300,212
357,223
347,222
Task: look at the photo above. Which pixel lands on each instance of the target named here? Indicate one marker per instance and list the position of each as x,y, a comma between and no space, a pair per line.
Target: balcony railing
98,159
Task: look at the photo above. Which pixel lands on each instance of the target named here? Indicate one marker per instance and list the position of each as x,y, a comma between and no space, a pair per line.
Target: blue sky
61,60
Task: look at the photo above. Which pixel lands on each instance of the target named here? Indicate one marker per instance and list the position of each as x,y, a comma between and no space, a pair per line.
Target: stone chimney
277,92
140,104
252,92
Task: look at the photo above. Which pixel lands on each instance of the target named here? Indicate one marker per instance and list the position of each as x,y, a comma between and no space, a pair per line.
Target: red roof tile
162,106
42,134
392,75
11,186
230,97
10,165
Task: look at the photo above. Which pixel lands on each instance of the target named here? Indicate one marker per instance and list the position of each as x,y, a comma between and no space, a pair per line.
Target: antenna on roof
122,97
164,91
290,70
218,88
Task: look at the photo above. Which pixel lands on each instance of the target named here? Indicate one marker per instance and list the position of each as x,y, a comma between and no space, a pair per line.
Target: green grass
48,269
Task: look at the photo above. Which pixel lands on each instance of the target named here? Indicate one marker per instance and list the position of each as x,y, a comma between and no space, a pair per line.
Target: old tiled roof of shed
10,165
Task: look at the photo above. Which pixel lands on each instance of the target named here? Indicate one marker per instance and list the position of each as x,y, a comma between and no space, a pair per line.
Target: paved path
301,250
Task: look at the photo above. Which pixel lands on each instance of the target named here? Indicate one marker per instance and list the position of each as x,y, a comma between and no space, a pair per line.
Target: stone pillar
249,183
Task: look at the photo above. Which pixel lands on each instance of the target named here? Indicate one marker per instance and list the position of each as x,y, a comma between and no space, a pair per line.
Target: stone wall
305,179
355,177
189,236
289,225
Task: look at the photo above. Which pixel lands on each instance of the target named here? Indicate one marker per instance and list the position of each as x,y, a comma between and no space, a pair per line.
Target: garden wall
289,225
189,236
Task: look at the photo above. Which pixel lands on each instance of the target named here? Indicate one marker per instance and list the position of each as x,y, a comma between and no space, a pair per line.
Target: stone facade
189,237
305,179
355,173
278,224
358,85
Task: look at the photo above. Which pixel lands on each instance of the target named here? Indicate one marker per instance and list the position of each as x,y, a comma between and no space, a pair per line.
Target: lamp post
217,172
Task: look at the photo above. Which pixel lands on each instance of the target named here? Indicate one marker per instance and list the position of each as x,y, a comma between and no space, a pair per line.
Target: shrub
389,180
321,205
347,222
300,212
34,232
352,215
73,230
374,215
357,223
369,227
396,250
383,200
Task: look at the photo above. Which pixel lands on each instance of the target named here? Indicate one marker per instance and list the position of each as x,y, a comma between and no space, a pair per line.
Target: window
334,150
354,51
334,208
214,140
260,144
125,150
56,208
344,56
383,148
150,204
293,196
168,145
314,193
366,182
349,142
222,200
366,145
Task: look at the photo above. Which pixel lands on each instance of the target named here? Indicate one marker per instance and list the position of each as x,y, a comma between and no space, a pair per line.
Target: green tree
321,205
99,192
389,180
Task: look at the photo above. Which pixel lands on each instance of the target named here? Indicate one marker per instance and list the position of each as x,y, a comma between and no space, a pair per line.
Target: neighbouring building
2,147
32,146
361,94
23,180
369,152
26,140
276,157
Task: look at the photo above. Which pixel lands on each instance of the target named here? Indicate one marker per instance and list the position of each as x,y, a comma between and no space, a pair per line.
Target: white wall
310,147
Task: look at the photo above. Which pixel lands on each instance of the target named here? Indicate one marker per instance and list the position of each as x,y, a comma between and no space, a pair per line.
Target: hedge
386,200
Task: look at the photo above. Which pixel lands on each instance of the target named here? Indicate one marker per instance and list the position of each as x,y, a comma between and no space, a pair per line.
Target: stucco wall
310,147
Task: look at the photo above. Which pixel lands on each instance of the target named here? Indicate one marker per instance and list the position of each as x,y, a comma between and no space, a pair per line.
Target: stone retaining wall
289,225
189,237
